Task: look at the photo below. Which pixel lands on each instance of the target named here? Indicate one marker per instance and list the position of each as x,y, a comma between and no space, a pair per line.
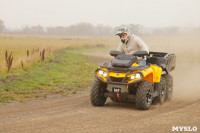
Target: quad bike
128,79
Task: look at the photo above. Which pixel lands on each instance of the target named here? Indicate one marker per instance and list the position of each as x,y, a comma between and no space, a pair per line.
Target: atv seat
115,53
140,54
124,61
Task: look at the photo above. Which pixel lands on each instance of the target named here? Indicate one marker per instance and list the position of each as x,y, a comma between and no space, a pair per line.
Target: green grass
66,72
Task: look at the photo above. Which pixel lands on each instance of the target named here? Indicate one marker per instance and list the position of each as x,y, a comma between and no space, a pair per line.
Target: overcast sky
149,13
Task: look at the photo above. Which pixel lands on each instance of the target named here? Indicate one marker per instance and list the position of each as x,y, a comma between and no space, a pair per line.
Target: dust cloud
187,49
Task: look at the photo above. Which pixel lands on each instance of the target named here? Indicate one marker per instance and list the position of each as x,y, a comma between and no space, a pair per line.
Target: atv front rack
124,81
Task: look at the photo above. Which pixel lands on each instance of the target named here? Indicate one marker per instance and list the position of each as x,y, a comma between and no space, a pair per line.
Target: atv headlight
137,75
105,74
100,72
132,77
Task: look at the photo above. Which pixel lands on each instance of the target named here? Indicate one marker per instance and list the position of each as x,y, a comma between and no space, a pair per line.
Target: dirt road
74,113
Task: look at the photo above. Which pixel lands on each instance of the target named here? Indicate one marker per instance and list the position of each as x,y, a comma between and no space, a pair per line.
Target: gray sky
150,13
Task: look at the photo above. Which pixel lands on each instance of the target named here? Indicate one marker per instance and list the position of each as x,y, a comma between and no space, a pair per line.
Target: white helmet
124,30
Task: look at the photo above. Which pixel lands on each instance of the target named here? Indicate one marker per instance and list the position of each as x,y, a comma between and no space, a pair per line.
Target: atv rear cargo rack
166,61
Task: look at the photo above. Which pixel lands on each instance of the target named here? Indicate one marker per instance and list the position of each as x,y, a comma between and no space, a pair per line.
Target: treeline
80,29
87,29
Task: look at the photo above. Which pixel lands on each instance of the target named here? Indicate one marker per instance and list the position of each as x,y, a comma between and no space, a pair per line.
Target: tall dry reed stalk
9,60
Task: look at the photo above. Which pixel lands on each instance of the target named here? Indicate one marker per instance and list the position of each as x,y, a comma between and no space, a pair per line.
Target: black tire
144,95
169,87
97,92
162,92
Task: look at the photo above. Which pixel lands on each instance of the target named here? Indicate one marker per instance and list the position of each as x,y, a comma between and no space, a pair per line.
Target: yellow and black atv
129,79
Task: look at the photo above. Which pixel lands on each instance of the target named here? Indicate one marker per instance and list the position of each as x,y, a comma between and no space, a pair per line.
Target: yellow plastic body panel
152,74
135,64
103,68
117,75
157,71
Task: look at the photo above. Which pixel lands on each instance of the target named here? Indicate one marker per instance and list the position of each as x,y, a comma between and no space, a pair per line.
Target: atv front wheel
97,92
144,95
169,86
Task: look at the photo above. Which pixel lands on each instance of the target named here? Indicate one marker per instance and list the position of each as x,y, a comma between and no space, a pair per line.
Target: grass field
63,71
66,72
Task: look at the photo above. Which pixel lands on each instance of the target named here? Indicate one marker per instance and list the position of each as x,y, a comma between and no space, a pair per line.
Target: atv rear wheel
169,86
144,95
162,92
97,92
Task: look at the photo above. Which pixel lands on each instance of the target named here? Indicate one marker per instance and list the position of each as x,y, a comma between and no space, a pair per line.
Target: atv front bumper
124,80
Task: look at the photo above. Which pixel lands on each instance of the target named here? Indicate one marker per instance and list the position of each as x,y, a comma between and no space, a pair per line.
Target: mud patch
64,87
3,81
12,77
100,45
54,61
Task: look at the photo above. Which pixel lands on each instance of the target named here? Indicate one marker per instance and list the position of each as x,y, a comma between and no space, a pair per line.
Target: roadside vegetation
28,50
66,72
33,73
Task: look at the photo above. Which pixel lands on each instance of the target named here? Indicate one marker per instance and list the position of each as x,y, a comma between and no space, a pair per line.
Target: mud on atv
127,79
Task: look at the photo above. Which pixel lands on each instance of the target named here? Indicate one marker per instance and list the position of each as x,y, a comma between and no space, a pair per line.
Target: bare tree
33,29
51,30
2,26
82,29
135,28
103,30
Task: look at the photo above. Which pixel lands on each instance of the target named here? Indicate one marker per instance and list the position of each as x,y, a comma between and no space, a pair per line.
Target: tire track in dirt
75,114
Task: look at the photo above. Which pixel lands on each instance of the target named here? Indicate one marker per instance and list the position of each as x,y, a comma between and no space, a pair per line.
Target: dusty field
74,113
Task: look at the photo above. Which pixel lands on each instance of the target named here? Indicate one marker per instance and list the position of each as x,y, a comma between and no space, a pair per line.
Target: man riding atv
130,43
128,79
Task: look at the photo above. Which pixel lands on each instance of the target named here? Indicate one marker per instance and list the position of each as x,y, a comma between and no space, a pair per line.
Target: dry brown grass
26,49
